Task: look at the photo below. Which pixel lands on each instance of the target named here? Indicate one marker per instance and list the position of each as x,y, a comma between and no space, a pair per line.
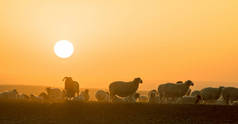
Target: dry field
96,113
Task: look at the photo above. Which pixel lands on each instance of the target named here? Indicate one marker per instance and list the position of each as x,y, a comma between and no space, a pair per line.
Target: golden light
64,49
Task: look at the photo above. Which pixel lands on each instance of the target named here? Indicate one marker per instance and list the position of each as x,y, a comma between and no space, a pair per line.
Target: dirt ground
96,113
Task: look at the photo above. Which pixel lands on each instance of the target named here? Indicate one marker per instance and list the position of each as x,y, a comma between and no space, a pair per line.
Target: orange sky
156,40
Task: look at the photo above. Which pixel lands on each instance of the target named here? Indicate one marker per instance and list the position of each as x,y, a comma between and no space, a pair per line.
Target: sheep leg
227,100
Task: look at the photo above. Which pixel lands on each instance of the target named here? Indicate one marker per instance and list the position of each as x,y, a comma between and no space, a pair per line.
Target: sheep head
67,78
138,80
153,94
189,83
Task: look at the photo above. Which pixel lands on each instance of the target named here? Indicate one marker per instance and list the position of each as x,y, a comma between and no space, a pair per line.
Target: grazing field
96,113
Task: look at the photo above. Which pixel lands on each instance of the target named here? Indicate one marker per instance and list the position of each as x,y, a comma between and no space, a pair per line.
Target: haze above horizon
119,40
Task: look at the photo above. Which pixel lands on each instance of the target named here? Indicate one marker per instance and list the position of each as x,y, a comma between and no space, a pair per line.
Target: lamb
174,90
195,93
102,96
132,99
210,94
124,89
116,99
83,97
189,100
129,99
152,92
154,98
230,94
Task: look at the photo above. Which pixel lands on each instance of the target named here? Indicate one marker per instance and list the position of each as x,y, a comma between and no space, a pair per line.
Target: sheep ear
64,78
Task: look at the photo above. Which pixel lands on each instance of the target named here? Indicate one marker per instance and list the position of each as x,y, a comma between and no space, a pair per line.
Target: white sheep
83,97
124,89
210,94
195,93
102,96
9,95
189,100
23,97
55,94
116,99
129,99
174,90
143,99
230,94
132,99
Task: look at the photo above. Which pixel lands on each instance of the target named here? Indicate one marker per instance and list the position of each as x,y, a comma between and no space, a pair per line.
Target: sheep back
172,90
123,89
210,93
230,93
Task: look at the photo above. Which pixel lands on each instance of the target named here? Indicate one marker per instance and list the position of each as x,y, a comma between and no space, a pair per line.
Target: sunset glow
159,41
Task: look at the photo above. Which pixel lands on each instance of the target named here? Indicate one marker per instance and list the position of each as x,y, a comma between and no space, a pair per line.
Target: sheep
9,95
83,97
23,97
235,103
54,94
102,96
189,100
34,98
230,94
210,94
116,99
43,97
154,98
133,98
143,99
174,90
76,87
71,87
195,93
189,90
124,89
129,99
152,92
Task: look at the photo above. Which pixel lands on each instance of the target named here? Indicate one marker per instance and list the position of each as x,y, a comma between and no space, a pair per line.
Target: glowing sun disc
64,49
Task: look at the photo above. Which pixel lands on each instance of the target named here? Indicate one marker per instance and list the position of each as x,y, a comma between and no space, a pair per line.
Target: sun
64,49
